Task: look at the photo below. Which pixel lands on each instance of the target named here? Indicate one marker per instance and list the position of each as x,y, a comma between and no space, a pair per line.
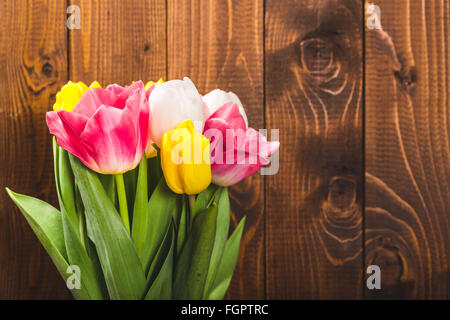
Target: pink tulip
236,152
107,129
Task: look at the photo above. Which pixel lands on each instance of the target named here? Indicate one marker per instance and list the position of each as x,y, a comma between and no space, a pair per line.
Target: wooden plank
33,61
119,41
313,85
219,44
407,149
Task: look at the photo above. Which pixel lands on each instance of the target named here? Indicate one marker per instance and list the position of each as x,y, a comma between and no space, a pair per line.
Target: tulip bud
107,129
236,151
185,159
171,103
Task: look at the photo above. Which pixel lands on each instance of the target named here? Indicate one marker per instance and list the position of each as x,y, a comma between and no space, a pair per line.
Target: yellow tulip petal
185,159
69,95
95,84
150,83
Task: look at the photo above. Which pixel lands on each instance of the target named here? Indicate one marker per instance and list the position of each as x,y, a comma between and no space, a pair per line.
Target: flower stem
122,201
191,204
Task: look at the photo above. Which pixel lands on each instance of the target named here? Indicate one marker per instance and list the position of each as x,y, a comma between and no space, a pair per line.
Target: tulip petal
251,152
63,138
139,117
115,88
96,97
108,139
230,113
217,98
229,174
173,102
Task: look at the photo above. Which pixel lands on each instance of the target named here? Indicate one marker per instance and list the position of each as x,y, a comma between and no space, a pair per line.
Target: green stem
122,201
191,198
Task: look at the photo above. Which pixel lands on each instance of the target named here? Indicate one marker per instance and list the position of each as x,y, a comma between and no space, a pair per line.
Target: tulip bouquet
141,175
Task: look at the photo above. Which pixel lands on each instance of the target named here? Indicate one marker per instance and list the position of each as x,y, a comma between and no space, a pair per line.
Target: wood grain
219,44
313,85
119,41
34,66
297,66
407,149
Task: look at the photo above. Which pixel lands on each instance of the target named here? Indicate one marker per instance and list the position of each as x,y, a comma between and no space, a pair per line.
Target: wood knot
407,78
342,193
146,47
47,69
341,210
391,264
316,56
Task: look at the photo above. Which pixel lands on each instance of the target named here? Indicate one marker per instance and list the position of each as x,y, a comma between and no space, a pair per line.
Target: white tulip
171,103
217,98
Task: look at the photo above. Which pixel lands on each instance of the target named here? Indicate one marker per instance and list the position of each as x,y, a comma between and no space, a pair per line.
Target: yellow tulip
151,152
71,93
185,159
150,83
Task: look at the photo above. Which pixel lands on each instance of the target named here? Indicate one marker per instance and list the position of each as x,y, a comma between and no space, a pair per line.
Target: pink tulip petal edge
236,152
107,129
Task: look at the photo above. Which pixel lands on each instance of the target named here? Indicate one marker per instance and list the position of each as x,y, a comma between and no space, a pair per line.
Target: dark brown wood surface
314,97
309,68
407,149
33,64
119,42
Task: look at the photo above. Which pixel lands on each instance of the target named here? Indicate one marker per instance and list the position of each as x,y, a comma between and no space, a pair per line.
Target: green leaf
46,223
163,205
89,277
222,229
182,225
192,266
227,264
140,214
122,269
204,200
64,184
154,173
161,270
109,184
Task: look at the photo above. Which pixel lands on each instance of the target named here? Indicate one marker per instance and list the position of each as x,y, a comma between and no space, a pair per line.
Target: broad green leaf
161,287
90,280
122,269
161,254
64,184
163,205
204,200
81,221
222,229
140,214
161,271
192,266
46,223
228,263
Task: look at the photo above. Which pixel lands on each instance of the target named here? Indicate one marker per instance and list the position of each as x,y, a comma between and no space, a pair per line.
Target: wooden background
363,114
